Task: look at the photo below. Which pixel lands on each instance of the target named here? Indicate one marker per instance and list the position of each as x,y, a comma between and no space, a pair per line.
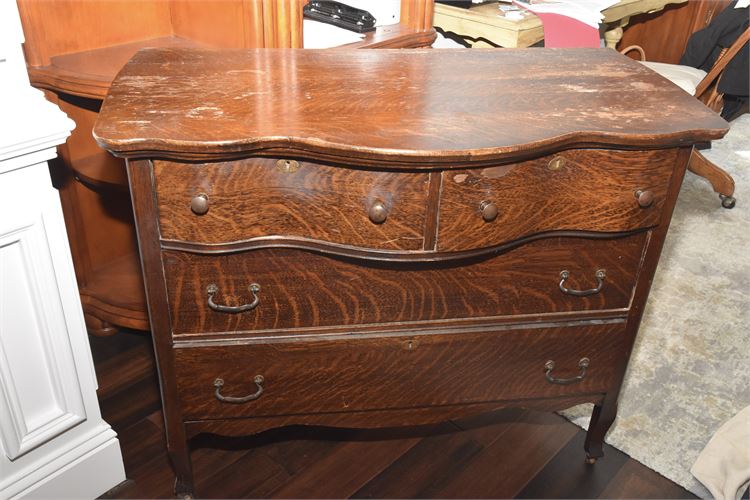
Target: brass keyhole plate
556,163
287,166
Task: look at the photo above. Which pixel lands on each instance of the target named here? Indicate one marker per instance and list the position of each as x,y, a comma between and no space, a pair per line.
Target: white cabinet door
53,441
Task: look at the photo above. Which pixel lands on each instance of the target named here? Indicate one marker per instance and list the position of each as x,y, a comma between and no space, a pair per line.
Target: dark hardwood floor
505,454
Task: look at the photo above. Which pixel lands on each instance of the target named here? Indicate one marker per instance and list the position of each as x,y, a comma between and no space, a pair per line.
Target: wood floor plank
345,469
635,480
568,475
129,406
297,448
504,467
486,427
251,474
139,441
418,471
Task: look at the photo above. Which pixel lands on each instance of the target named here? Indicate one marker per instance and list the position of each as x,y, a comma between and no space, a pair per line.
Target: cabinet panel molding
38,379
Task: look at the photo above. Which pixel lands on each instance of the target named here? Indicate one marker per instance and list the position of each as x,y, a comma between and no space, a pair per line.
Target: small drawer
576,190
242,200
389,372
300,289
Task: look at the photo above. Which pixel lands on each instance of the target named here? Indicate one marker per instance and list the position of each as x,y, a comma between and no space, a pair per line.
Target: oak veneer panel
306,289
395,371
254,198
594,190
393,105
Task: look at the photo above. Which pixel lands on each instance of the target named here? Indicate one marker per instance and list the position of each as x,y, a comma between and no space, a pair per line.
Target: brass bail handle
213,289
600,275
219,383
583,364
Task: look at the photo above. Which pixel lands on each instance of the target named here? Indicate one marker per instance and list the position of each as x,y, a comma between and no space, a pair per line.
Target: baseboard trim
83,472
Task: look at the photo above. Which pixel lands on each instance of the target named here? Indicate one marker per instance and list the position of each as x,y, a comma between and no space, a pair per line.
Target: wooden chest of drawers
395,237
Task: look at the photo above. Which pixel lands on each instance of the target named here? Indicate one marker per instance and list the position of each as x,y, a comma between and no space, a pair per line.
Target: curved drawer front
396,371
301,289
586,190
255,198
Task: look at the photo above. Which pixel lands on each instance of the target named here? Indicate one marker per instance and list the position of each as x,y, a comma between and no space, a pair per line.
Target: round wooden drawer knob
489,211
199,204
645,198
378,213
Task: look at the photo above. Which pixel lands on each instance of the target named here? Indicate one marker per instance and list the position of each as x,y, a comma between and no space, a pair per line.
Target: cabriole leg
179,455
601,420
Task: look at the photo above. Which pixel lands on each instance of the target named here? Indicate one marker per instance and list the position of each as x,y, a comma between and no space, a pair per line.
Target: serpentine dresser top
395,237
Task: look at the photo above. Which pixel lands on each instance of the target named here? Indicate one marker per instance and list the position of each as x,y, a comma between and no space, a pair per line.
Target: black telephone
339,14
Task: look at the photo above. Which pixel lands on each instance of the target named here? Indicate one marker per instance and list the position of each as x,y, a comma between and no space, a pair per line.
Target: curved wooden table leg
601,420
721,182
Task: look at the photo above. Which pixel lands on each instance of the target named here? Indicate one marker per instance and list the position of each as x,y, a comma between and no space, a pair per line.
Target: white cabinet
53,441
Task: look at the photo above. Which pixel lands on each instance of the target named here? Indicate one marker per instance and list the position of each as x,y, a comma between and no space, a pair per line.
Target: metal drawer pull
219,383
600,275
213,290
583,364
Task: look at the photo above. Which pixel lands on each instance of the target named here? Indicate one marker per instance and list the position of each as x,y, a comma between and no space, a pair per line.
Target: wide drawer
300,289
384,372
576,190
255,198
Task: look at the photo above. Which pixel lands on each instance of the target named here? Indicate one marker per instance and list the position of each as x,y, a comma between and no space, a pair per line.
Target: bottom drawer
387,372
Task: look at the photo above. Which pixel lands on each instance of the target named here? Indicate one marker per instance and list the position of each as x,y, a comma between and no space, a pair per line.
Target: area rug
689,371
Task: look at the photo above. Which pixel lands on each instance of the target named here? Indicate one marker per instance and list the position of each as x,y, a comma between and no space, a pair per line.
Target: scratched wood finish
479,320
75,48
306,289
395,372
593,190
447,107
258,198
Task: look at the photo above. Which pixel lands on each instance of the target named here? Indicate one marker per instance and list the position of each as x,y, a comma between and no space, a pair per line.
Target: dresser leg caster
591,460
727,201
183,490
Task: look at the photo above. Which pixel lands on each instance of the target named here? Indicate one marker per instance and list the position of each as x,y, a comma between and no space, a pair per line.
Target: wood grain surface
374,419
345,335
593,190
306,289
258,198
447,107
395,372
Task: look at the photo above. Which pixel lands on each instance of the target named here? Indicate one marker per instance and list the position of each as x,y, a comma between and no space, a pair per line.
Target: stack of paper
587,11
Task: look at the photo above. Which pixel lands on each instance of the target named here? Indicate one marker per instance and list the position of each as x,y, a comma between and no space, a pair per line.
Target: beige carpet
690,369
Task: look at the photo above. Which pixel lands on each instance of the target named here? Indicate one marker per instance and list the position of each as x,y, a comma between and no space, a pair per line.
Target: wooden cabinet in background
664,35
75,48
